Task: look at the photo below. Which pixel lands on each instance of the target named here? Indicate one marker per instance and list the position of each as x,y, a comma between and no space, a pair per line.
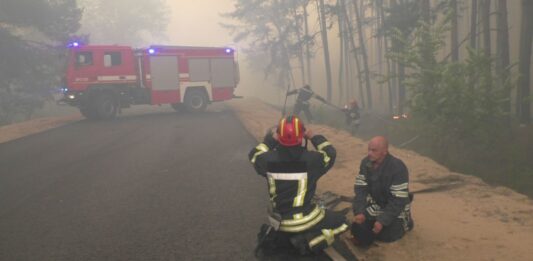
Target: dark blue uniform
292,174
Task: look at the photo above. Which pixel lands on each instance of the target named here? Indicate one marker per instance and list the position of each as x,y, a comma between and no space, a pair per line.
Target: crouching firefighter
297,225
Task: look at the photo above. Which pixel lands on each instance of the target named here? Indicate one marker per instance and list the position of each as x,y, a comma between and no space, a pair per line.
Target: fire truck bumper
71,98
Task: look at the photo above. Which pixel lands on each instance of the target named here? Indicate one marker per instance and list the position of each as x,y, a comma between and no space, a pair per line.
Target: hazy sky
197,22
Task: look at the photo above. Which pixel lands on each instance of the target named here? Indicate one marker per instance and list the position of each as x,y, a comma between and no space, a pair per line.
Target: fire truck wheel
195,100
106,106
88,112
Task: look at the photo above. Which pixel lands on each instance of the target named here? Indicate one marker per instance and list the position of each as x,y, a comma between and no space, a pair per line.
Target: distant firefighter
353,115
302,101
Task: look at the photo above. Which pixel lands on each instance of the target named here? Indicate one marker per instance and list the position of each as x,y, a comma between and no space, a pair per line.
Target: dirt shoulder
468,220
22,129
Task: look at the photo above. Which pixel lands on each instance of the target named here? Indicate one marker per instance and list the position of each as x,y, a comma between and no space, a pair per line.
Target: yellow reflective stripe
302,220
316,241
340,229
400,194
282,127
328,235
326,157
305,226
323,144
261,148
320,149
399,186
272,187
360,180
296,127
298,216
302,190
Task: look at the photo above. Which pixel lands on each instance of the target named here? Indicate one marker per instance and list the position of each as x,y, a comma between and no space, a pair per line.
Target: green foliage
452,101
273,31
32,36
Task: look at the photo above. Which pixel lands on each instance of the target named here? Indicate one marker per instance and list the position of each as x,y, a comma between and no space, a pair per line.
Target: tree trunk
324,34
454,32
526,37
379,49
355,55
385,45
340,17
473,25
364,53
502,50
485,17
307,48
300,50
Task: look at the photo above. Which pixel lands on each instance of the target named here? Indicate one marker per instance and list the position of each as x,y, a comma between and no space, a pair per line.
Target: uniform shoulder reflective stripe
261,148
255,156
323,145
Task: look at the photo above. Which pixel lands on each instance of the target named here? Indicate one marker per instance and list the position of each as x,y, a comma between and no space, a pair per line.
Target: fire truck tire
106,106
88,112
195,100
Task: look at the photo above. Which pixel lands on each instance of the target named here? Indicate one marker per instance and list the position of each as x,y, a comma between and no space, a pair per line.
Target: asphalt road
157,186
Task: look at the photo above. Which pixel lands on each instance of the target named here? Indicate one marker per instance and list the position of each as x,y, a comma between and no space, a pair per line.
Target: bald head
378,148
380,141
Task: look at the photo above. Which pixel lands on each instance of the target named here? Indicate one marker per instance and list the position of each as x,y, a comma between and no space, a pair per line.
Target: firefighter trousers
298,107
364,235
308,242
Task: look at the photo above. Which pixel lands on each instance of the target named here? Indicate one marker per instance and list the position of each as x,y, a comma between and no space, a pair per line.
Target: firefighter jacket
304,95
292,174
382,194
352,114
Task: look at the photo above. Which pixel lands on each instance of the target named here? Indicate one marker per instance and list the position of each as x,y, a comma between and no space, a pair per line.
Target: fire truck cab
102,79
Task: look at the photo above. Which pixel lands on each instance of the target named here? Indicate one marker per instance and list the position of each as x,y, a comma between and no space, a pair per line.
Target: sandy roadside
22,129
468,221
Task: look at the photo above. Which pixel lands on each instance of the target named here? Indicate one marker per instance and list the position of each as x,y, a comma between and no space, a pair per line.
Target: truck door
117,67
84,69
164,73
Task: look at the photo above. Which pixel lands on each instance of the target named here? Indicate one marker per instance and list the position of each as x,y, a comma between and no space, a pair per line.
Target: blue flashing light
151,51
74,44
228,50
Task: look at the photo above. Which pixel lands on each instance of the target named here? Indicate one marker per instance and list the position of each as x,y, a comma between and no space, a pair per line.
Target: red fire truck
103,79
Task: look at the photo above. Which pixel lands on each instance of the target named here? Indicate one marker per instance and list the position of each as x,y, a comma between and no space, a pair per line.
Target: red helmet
290,131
